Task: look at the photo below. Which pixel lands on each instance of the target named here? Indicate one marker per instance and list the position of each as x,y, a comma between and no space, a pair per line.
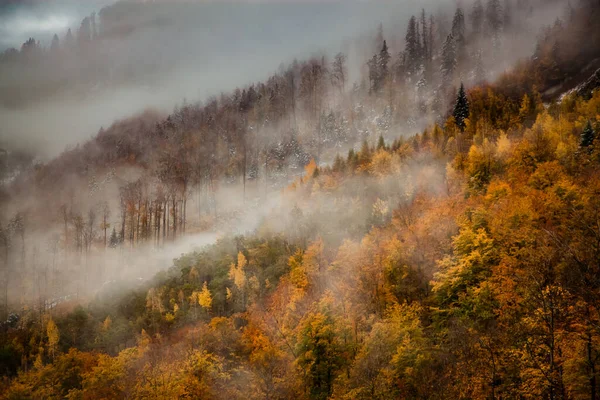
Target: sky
200,48
41,19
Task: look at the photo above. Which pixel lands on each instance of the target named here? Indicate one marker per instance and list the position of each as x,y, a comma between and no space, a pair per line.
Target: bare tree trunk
6,277
165,220
157,220
184,213
174,218
244,169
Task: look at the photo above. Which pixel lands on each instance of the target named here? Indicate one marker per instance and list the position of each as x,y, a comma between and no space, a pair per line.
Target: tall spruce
493,18
458,33
477,17
448,58
412,46
461,108
383,66
425,38
54,46
373,65
587,136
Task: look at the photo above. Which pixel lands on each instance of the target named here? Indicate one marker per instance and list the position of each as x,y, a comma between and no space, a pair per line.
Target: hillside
431,231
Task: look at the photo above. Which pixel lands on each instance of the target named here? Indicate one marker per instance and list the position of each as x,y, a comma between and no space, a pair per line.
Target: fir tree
373,65
114,239
383,66
461,109
477,15
458,26
480,74
69,41
587,136
493,17
425,38
458,33
412,46
55,44
448,58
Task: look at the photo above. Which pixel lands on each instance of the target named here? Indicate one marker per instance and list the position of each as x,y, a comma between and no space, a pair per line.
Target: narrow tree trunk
165,221
174,218
184,213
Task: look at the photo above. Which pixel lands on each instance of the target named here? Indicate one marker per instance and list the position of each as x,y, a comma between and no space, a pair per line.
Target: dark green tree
412,46
383,70
381,143
477,16
449,58
587,136
461,108
114,239
494,17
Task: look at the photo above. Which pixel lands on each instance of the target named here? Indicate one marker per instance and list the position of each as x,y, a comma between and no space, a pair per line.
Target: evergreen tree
412,46
493,18
479,73
458,33
458,26
373,65
477,16
55,44
587,136
378,37
114,239
507,19
84,35
93,27
431,46
448,58
461,109
69,41
425,39
383,66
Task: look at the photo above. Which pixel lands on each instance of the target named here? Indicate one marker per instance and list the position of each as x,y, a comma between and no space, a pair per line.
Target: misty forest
300,199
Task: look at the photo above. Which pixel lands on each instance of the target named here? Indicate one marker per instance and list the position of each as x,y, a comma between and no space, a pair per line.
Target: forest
421,224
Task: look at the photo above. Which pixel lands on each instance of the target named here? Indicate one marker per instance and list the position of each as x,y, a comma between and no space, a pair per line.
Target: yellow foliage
237,273
107,323
204,297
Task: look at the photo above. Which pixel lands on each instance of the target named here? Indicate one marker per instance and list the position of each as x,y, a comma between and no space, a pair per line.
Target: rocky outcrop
586,89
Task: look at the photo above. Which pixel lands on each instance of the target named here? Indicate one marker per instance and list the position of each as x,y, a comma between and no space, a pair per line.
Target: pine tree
114,239
378,37
480,74
448,58
383,66
458,33
507,18
339,72
461,109
412,46
458,26
55,44
587,136
373,65
477,15
425,38
381,143
69,41
493,16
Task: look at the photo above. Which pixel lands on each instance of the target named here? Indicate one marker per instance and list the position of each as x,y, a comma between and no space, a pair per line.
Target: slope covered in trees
461,262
